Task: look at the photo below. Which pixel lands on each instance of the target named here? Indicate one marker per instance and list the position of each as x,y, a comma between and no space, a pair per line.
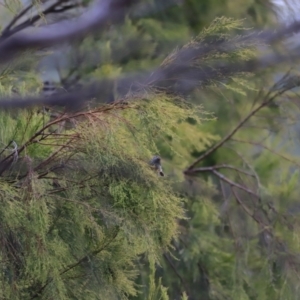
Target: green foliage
84,216
108,206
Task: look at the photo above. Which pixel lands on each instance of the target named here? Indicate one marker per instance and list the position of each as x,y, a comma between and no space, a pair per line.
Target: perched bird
156,163
49,88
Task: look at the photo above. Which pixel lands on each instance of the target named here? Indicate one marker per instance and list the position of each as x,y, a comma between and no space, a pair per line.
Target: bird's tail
161,173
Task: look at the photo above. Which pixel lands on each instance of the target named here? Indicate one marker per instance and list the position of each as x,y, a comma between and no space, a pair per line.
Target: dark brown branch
246,209
232,183
8,31
34,138
224,166
6,147
34,19
15,19
232,133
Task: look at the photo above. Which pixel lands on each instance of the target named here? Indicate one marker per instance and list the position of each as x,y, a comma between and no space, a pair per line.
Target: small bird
156,163
49,88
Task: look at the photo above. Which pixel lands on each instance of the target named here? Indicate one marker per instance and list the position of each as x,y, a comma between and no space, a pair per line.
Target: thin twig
15,19
245,208
229,136
248,165
35,18
223,166
266,148
232,183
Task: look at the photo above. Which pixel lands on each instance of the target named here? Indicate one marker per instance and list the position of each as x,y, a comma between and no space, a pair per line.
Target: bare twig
7,32
248,165
268,149
232,183
39,135
245,208
15,19
224,166
232,133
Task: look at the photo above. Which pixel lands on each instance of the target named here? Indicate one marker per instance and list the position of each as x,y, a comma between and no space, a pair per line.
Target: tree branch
232,133
267,148
245,208
232,183
224,166
93,19
6,30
